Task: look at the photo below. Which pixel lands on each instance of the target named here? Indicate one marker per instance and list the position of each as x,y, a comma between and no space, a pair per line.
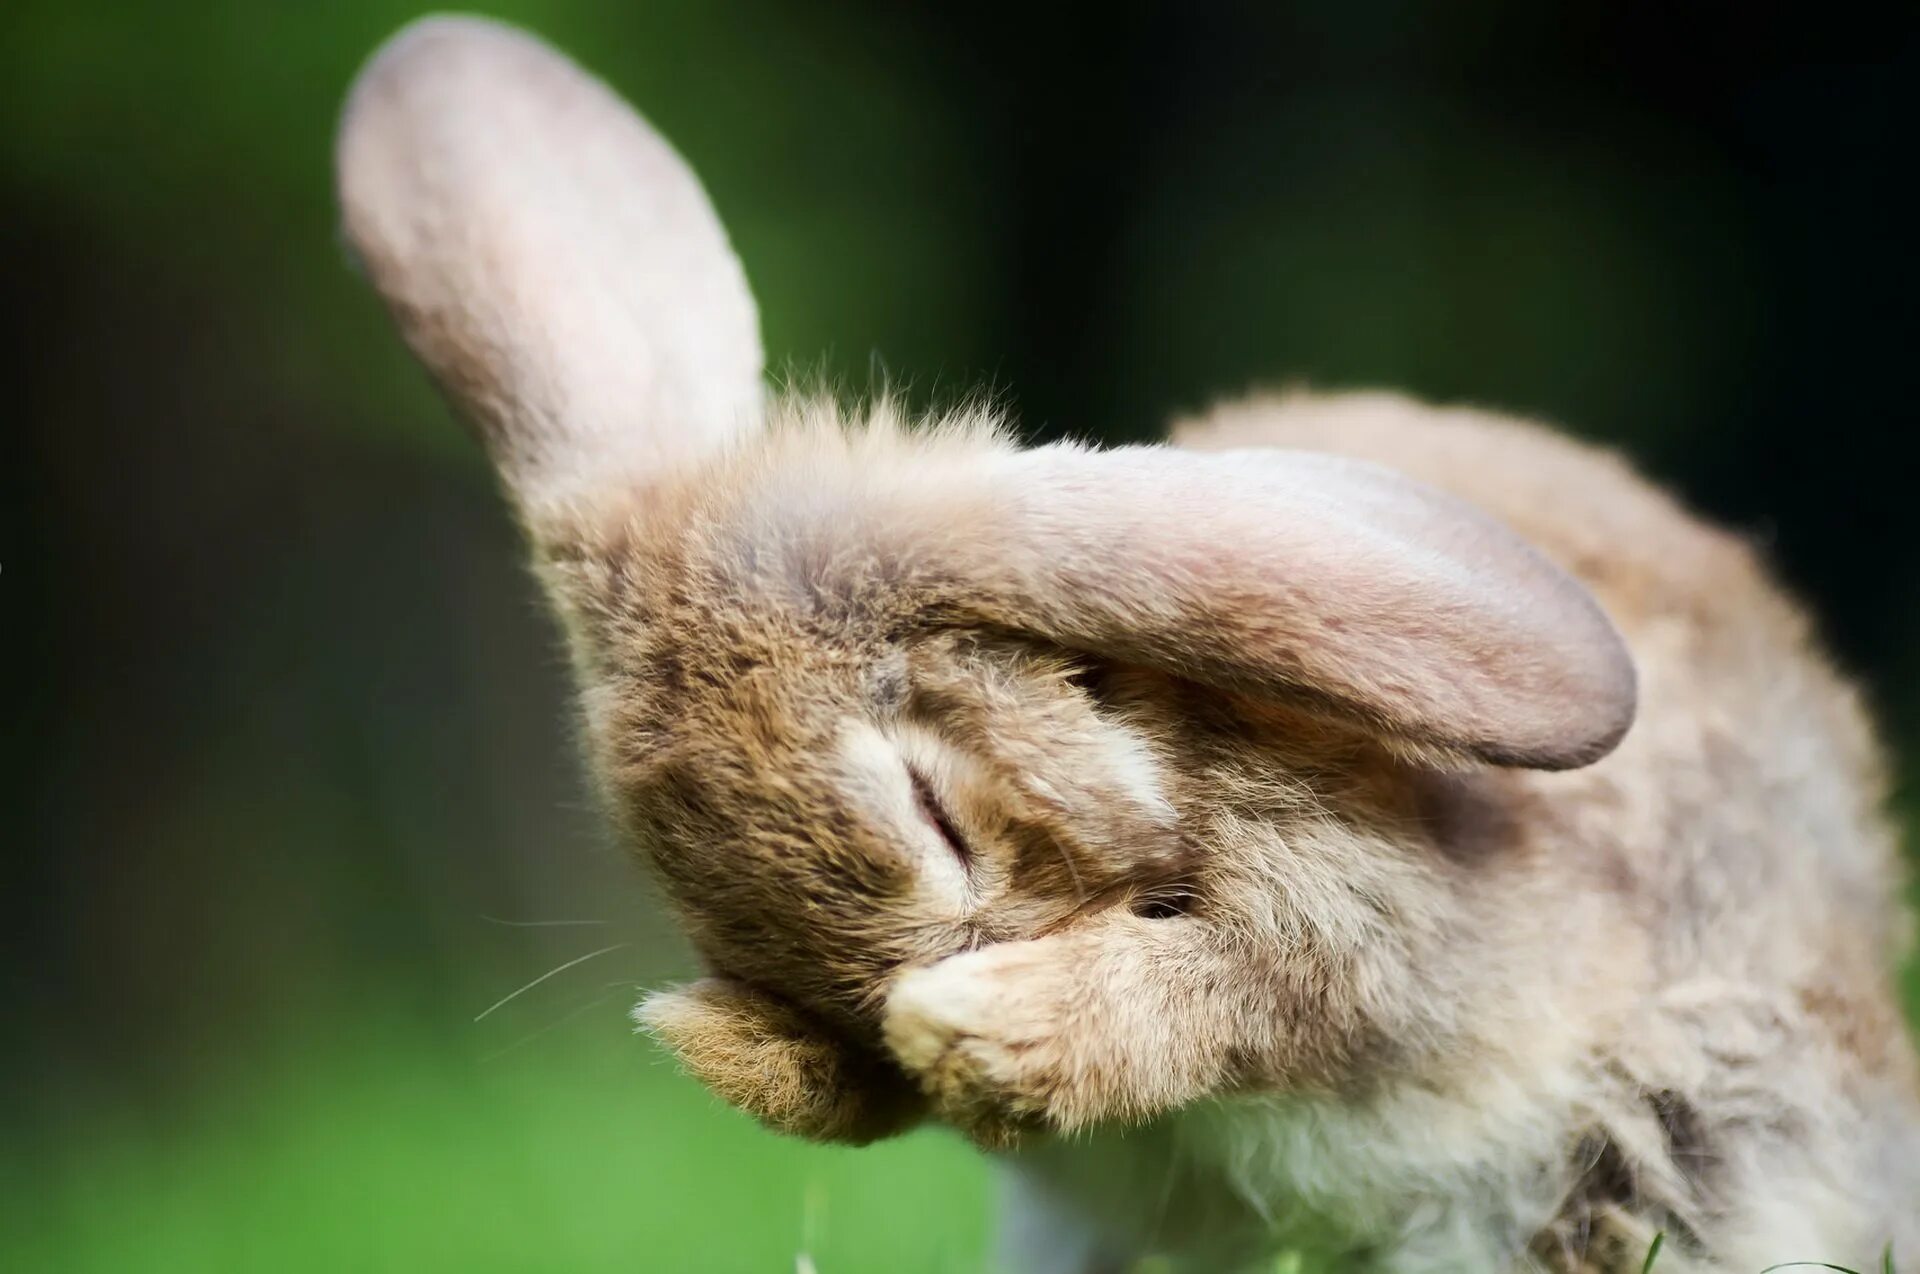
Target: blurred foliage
287,738
382,1156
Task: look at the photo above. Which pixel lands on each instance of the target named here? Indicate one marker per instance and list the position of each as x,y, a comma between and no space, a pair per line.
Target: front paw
768,1059
983,1035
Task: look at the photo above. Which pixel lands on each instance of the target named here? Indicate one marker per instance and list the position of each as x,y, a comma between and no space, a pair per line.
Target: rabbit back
1754,1076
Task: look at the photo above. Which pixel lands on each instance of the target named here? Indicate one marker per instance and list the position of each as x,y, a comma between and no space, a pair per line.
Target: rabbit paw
982,1034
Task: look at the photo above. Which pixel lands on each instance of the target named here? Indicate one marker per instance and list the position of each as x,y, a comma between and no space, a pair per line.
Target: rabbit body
1245,840
1676,961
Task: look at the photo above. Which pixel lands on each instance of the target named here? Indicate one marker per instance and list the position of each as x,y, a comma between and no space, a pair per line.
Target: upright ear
549,258
1312,577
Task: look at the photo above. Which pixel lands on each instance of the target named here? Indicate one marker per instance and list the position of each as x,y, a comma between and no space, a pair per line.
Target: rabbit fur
1393,832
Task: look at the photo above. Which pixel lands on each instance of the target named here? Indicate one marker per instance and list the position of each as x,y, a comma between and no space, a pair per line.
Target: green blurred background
290,795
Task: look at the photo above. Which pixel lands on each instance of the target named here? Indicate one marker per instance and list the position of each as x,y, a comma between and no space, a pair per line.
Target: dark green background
286,729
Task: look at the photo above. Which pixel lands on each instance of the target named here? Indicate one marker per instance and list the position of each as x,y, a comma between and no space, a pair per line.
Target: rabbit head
872,699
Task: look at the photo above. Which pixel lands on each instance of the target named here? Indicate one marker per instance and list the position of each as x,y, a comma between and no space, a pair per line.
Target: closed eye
937,817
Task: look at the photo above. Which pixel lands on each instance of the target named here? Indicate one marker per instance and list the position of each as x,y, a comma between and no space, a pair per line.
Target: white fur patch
879,780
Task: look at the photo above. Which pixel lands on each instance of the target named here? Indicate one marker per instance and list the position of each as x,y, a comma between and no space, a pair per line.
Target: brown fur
1276,810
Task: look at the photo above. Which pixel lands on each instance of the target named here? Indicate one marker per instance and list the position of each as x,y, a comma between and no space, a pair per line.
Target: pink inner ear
1317,578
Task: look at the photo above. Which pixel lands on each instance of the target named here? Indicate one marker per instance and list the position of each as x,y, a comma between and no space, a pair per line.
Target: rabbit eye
936,814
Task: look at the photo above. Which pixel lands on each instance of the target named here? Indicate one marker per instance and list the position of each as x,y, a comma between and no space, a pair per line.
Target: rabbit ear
761,1056
548,256
1318,578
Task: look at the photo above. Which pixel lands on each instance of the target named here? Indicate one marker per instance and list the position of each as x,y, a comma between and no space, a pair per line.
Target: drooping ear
767,1059
1324,580
549,258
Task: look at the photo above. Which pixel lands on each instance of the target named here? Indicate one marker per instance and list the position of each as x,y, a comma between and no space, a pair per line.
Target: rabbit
1389,832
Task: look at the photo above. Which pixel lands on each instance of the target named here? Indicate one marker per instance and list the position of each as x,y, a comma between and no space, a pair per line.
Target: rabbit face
834,779
950,794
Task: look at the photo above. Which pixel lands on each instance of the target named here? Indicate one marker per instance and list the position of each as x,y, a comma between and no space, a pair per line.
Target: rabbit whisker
576,1011
516,994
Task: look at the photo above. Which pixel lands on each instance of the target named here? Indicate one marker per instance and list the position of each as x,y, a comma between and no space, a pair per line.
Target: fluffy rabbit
1243,841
